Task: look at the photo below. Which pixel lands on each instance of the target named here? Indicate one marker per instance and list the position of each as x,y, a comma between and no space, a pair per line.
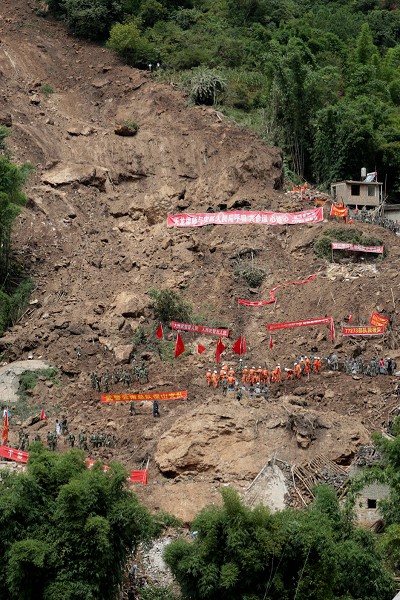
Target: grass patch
322,247
166,350
13,305
46,89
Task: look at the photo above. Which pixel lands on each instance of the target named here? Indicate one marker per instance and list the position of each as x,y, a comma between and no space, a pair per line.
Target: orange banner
363,330
378,320
181,395
135,476
339,211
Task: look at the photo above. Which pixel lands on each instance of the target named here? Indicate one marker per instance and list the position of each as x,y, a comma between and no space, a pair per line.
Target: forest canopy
319,78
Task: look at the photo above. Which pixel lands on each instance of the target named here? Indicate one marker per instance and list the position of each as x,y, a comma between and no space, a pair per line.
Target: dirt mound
94,237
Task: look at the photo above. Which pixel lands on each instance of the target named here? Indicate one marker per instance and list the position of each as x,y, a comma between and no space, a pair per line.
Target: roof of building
352,182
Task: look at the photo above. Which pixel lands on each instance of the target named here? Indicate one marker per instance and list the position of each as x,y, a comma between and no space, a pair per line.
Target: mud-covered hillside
95,240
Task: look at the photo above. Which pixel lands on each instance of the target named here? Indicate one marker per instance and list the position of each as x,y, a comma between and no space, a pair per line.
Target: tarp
140,476
181,395
363,330
338,210
200,329
357,247
243,217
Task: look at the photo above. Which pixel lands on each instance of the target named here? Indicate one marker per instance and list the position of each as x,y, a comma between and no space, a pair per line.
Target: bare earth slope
95,239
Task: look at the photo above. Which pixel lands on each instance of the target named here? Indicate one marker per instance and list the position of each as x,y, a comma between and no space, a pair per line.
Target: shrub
127,40
169,306
131,125
253,276
205,85
46,89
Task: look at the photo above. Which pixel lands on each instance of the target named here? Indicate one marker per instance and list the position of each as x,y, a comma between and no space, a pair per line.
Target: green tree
92,19
169,306
67,530
128,41
239,553
365,47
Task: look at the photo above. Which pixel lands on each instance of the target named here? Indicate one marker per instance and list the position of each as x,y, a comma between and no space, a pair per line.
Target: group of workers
230,379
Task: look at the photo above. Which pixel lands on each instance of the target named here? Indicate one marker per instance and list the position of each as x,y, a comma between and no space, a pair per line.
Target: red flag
4,433
159,332
240,345
219,350
179,346
270,342
43,415
200,348
350,318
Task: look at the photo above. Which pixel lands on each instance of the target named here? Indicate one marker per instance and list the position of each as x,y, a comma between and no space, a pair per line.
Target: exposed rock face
10,374
129,304
63,174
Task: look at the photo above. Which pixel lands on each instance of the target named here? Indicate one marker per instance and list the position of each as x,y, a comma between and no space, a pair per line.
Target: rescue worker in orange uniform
264,376
297,369
231,382
278,374
245,374
259,373
208,377
225,368
289,374
231,373
222,374
318,365
215,379
307,364
272,377
251,374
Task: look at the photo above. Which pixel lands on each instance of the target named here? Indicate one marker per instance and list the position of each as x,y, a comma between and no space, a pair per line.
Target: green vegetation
15,288
28,380
313,554
252,276
46,89
320,78
322,247
169,306
67,531
131,125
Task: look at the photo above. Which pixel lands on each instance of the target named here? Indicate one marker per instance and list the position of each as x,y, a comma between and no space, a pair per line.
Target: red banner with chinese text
306,323
181,395
243,217
199,329
272,292
364,330
378,320
357,247
14,454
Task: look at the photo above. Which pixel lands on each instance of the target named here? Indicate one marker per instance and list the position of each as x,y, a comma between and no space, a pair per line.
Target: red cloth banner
338,210
240,346
200,349
272,292
244,217
357,247
378,320
159,332
43,415
179,346
14,454
364,330
181,395
140,476
200,329
308,323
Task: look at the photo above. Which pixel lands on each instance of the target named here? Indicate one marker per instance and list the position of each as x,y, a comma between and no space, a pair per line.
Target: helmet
259,367
215,372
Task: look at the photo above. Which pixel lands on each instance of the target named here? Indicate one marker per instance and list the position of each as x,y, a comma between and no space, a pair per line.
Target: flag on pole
179,346
219,350
271,344
240,345
200,348
4,433
43,415
159,332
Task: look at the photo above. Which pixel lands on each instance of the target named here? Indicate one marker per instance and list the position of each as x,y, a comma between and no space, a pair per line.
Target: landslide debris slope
94,239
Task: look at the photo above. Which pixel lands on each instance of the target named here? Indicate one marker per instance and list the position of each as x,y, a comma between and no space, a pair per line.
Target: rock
329,394
31,421
6,119
100,83
67,173
129,304
34,99
300,391
125,131
122,354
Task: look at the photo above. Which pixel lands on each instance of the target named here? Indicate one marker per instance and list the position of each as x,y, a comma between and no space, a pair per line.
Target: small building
358,193
392,212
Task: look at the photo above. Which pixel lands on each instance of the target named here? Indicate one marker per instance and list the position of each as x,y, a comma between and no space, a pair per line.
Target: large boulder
131,304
